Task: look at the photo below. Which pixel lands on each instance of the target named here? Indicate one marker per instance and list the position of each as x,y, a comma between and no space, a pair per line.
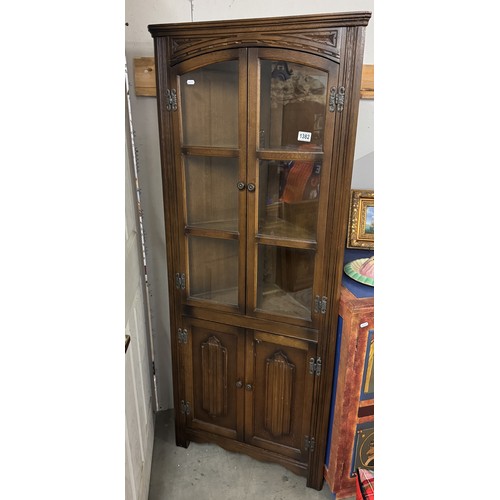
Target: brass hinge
315,366
337,99
320,304
182,336
309,443
180,281
185,407
171,100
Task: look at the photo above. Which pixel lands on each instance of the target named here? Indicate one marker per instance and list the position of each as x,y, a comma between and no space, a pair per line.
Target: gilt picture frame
361,229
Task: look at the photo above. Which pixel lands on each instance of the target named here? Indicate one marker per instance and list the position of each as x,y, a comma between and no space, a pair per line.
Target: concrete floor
208,472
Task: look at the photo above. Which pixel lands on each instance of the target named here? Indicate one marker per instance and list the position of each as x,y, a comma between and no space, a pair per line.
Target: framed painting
361,229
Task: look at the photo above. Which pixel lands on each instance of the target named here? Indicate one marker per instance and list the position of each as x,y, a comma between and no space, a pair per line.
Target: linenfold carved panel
279,389
323,43
214,377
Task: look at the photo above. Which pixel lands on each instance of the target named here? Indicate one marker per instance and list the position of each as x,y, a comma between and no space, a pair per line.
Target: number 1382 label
304,136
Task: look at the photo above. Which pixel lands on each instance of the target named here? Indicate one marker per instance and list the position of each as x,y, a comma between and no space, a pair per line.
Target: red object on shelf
365,485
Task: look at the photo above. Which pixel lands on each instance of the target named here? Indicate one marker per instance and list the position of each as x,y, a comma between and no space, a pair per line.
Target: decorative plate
352,270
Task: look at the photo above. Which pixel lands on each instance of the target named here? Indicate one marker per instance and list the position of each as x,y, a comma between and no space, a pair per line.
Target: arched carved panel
322,43
214,377
279,390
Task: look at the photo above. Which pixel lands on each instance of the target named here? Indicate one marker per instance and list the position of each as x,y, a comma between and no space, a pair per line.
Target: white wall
139,43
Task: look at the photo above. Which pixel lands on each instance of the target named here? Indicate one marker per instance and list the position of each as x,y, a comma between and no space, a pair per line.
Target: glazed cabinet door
289,167
249,140
213,359
210,148
278,393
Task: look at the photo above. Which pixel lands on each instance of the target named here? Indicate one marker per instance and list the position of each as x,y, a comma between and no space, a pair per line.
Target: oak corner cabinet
257,123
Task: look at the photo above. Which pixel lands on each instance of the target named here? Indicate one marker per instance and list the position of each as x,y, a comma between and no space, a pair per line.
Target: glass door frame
249,155
255,154
182,152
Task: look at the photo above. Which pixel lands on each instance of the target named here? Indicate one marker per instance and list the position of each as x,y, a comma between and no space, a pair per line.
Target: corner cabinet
257,122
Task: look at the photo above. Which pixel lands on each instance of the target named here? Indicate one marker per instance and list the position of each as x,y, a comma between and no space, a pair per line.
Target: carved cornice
317,34
276,24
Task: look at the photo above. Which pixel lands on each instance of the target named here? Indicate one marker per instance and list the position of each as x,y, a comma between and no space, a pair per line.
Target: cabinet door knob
251,187
249,387
239,384
240,185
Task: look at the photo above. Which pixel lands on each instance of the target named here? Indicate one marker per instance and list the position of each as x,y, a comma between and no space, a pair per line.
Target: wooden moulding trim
252,323
276,24
350,73
170,214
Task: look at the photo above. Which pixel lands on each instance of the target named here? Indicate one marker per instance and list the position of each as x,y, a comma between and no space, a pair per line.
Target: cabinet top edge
333,20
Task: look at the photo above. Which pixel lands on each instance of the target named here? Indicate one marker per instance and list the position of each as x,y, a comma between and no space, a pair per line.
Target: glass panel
211,193
209,98
285,278
293,106
289,198
213,269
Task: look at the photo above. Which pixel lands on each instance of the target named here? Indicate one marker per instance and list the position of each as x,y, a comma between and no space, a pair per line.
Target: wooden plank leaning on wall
145,78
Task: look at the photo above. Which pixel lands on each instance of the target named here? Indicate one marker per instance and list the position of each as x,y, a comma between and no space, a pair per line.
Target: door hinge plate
180,281
171,100
315,366
185,407
182,336
336,99
320,304
309,443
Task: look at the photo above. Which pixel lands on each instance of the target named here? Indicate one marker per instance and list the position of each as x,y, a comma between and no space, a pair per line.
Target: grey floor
208,472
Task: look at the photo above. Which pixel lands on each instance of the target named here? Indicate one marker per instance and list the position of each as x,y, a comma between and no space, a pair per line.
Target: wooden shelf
287,303
279,229
227,296
211,228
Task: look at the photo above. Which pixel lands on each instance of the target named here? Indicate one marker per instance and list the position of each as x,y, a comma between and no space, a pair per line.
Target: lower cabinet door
214,377
278,394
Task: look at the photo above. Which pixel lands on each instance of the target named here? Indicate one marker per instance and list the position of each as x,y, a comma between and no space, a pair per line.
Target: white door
139,390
